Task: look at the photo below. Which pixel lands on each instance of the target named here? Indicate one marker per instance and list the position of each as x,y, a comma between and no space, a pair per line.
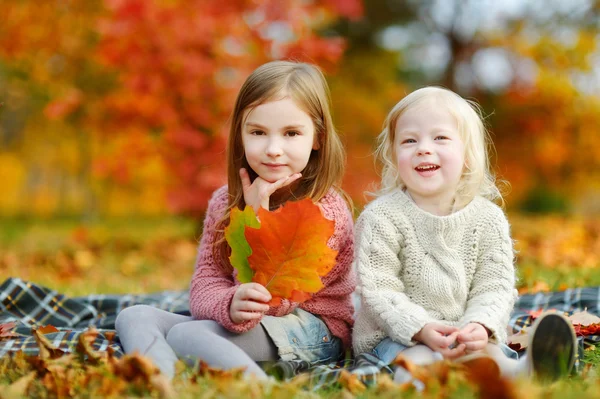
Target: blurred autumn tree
533,65
141,83
114,105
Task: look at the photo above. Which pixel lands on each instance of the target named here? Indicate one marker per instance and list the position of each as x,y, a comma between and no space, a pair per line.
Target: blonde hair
477,177
307,87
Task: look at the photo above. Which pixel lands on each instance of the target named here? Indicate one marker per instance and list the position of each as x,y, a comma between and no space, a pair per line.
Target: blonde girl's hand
441,338
249,303
474,336
258,192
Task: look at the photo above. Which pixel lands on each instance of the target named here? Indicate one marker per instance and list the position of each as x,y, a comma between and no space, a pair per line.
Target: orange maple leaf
290,252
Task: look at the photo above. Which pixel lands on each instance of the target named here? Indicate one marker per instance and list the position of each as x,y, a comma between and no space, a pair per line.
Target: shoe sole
552,347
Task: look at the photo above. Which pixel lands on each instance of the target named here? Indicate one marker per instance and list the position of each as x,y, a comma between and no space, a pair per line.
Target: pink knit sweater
212,289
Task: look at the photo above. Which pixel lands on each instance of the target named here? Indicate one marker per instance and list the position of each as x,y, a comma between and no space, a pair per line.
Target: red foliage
180,63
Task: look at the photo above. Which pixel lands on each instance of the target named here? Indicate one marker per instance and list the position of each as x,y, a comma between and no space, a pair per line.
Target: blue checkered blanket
31,305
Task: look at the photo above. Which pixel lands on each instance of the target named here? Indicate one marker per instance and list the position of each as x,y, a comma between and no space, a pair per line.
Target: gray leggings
164,337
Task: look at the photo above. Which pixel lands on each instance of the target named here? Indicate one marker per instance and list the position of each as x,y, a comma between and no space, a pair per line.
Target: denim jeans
301,335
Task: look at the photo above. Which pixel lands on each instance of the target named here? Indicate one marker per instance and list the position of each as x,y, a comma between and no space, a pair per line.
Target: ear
316,144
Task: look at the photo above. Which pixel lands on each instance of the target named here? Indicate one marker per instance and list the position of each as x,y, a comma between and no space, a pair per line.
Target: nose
274,148
423,148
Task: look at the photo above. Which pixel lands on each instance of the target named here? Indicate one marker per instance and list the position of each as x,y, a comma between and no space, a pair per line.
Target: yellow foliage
13,179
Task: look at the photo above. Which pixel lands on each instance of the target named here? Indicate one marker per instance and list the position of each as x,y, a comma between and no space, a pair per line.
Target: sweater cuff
404,330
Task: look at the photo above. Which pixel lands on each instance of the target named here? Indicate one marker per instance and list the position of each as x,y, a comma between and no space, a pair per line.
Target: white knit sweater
415,268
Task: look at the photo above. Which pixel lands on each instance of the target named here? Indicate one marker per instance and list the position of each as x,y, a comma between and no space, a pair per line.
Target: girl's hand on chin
258,192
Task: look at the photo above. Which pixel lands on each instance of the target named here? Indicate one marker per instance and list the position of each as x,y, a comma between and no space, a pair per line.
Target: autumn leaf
47,329
240,249
518,341
6,330
47,350
290,252
584,318
351,382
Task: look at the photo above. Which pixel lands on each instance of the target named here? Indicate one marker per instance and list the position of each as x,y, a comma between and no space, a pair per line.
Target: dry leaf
484,373
84,345
19,388
6,330
47,329
584,318
351,382
47,350
518,341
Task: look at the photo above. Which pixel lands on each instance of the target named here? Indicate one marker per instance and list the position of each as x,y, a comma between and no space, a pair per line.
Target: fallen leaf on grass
484,373
204,370
18,388
351,382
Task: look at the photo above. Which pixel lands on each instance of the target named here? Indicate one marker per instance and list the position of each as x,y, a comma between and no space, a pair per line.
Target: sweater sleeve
492,293
212,286
382,291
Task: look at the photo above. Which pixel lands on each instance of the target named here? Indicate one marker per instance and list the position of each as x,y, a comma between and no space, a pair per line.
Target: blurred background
114,113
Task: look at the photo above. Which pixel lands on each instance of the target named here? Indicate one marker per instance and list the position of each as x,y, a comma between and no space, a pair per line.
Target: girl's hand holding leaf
249,303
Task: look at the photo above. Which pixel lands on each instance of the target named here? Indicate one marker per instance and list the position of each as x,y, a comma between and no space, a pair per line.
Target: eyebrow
435,130
258,125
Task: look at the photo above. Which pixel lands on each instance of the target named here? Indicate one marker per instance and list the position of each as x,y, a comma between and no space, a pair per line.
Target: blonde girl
434,254
282,146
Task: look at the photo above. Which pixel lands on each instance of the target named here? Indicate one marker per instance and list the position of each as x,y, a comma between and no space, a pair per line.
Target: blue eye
409,141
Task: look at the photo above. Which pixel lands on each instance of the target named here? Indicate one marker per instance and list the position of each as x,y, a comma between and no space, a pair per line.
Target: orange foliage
182,78
544,131
168,70
290,252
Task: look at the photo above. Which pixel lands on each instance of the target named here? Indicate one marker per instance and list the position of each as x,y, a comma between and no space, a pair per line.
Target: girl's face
430,155
278,138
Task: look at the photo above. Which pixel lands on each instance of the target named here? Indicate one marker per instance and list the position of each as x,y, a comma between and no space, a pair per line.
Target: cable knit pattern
415,268
212,289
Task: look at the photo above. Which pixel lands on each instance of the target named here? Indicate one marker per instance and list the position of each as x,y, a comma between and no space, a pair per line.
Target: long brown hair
307,87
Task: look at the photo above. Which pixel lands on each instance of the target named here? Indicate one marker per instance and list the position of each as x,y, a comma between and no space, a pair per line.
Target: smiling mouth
426,168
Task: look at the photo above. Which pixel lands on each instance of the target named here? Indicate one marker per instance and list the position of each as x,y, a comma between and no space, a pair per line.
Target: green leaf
240,249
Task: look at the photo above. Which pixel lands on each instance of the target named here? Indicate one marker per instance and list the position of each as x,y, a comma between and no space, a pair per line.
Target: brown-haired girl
282,146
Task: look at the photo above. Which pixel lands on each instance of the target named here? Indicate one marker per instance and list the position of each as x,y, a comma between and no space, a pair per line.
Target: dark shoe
552,347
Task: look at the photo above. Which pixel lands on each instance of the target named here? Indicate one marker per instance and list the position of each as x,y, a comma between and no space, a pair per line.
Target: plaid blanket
31,305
